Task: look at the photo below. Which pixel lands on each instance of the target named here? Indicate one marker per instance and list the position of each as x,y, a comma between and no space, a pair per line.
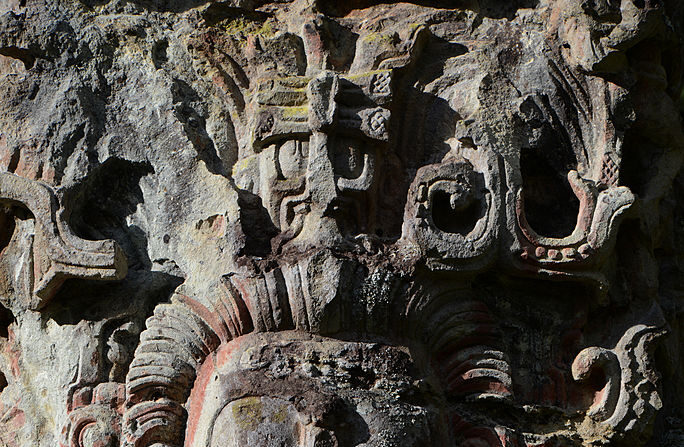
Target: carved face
497,177
300,391
318,141
354,224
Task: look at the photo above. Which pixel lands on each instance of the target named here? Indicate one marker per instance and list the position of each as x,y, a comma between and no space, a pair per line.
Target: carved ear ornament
177,339
453,212
181,335
42,252
630,396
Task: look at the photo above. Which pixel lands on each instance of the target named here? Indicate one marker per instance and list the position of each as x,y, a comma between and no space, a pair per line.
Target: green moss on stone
247,412
242,26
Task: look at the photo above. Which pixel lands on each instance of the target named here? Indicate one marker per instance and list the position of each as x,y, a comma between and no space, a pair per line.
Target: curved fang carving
364,181
630,398
464,341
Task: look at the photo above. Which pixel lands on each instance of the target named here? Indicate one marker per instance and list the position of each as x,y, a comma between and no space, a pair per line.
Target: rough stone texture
341,223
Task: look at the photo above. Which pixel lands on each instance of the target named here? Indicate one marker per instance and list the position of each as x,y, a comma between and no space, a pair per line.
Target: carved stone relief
334,224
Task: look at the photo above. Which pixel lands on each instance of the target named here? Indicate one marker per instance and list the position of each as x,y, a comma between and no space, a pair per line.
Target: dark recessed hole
21,54
596,380
5,320
3,382
551,206
447,219
159,53
7,226
257,225
349,158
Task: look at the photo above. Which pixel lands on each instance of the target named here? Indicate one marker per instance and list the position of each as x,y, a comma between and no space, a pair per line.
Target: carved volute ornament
316,223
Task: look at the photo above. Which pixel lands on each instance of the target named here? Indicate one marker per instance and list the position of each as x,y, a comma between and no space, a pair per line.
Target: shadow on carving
488,8
7,226
100,205
187,109
84,300
257,226
154,5
551,207
419,145
426,123
6,319
95,215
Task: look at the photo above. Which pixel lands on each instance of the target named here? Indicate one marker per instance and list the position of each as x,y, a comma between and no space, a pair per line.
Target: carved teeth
554,254
569,252
585,250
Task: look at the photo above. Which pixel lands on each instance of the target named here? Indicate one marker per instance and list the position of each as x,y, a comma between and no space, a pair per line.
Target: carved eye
293,158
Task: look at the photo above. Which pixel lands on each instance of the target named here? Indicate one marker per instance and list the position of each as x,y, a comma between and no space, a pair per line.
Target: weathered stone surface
341,223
